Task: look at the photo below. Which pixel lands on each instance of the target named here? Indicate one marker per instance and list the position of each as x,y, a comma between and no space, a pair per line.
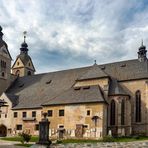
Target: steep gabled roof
35,90
93,73
126,70
87,94
13,99
25,58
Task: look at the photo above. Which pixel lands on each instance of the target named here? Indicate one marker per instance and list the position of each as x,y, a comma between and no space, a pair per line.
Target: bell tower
23,66
5,64
142,53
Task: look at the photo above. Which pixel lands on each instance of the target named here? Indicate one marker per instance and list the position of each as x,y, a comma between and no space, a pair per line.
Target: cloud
65,33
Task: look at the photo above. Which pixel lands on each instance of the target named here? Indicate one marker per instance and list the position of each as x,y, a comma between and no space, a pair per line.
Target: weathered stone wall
131,87
77,114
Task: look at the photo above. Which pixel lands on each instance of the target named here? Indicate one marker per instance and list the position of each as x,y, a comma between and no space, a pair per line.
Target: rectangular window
34,114
61,112
5,115
36,127
24,114
15,114
18,127
88,112
49,113
61,126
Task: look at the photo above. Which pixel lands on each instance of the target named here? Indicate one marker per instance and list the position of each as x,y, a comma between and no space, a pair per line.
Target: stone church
87,102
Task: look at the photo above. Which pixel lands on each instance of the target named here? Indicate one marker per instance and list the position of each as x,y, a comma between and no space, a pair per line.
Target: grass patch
17,138
130,139
65,141
25,145
119,139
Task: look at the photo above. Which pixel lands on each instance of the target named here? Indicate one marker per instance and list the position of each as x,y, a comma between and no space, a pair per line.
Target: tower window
17,73
122,112
29,73
112,112
138,106
3,74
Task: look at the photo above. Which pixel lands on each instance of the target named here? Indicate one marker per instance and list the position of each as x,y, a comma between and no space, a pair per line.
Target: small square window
49,113
18,127
24,114
61,112
15,115
34,114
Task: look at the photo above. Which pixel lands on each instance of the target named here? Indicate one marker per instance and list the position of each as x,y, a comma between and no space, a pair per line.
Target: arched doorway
3,130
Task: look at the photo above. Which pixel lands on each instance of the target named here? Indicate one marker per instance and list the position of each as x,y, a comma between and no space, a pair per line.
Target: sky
65,34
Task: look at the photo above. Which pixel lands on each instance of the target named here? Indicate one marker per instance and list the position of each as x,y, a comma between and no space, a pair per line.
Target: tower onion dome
24,45
142,47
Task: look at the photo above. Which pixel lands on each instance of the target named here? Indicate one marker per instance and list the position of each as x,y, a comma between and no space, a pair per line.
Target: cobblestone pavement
8,144
143,144
140,144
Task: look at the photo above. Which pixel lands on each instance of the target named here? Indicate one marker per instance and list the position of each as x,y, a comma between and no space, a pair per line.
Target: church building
87,102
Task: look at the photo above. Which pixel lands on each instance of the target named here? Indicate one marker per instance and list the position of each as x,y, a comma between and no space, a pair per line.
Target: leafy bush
25,137
59,142
108,139
137,137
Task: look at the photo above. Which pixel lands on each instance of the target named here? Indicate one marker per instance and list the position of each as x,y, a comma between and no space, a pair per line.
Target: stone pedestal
44,131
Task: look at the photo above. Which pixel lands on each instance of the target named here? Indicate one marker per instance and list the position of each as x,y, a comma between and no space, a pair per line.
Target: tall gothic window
138,106
122,112
112,112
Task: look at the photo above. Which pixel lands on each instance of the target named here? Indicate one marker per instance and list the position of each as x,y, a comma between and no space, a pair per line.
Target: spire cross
25,33
142,42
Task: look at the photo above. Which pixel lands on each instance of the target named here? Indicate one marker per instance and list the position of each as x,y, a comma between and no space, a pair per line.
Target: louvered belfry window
112,112
138,106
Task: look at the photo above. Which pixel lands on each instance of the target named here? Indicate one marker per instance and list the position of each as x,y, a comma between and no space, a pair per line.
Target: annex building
83,102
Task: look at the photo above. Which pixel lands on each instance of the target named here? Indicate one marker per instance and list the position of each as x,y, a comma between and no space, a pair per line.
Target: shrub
25,137
59,142
108,139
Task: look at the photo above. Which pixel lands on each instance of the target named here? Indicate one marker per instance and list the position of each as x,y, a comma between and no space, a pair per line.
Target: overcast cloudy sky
66,34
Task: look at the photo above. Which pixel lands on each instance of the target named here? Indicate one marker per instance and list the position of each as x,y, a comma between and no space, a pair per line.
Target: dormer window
18,63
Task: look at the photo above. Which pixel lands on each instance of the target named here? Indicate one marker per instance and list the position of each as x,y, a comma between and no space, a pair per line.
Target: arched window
29,73
112,112
122,112
138,106
17,73
3,74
